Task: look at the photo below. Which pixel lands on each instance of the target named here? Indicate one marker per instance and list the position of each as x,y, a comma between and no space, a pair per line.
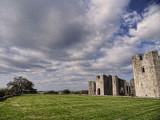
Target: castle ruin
146,82
108,85
132,87
92,88
146,69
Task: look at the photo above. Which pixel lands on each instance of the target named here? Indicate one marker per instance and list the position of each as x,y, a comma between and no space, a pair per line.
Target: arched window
99,92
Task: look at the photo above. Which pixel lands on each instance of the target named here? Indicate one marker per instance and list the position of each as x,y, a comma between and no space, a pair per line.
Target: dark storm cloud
22,65
39,24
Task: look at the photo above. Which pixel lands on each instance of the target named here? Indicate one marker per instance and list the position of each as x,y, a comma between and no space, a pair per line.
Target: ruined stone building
128,89
108,85
92,88
146,69
132,87
146,82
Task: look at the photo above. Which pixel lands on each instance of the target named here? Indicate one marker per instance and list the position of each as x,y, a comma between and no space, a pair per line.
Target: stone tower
91,88
103,85
146,69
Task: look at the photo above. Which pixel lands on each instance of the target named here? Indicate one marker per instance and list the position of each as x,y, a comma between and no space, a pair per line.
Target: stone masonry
132,87
146,82
128,90
91,88
115,86
108,85
146,69
103,85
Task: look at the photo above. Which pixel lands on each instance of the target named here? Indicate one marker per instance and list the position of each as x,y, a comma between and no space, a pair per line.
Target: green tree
2,93
51,92
66,91
20,86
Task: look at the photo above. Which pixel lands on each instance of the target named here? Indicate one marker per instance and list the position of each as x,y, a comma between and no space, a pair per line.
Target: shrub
66,91
2,93
84,92
75,92
51,92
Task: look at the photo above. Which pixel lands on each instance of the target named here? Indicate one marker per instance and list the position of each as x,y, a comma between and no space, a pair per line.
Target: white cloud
55,43
58,41
148,29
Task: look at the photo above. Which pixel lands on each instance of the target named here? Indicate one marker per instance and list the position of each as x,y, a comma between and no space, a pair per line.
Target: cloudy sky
60,44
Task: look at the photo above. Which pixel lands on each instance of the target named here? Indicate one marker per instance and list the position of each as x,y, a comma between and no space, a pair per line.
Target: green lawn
79,107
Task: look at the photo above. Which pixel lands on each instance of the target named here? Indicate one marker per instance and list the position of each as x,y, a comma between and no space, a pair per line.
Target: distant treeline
66,91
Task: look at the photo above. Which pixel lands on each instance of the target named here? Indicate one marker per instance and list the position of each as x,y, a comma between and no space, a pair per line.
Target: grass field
79,107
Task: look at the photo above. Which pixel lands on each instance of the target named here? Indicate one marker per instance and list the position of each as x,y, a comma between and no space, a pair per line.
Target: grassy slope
77,107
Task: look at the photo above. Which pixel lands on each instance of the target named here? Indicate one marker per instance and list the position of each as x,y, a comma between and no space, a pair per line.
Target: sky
63,44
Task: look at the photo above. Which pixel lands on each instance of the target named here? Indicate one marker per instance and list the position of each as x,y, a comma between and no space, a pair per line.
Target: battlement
141,57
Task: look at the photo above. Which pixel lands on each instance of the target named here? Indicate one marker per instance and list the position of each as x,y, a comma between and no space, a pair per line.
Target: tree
2,93
20,86
51,92
66,91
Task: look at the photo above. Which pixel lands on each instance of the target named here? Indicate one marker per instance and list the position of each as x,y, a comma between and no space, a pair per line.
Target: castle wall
108,85
157,71
115,85
103,85
122,87
99,85
132,87
91,88
128,91
146,69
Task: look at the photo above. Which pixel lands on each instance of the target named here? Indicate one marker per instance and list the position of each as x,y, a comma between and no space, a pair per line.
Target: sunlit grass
79,107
